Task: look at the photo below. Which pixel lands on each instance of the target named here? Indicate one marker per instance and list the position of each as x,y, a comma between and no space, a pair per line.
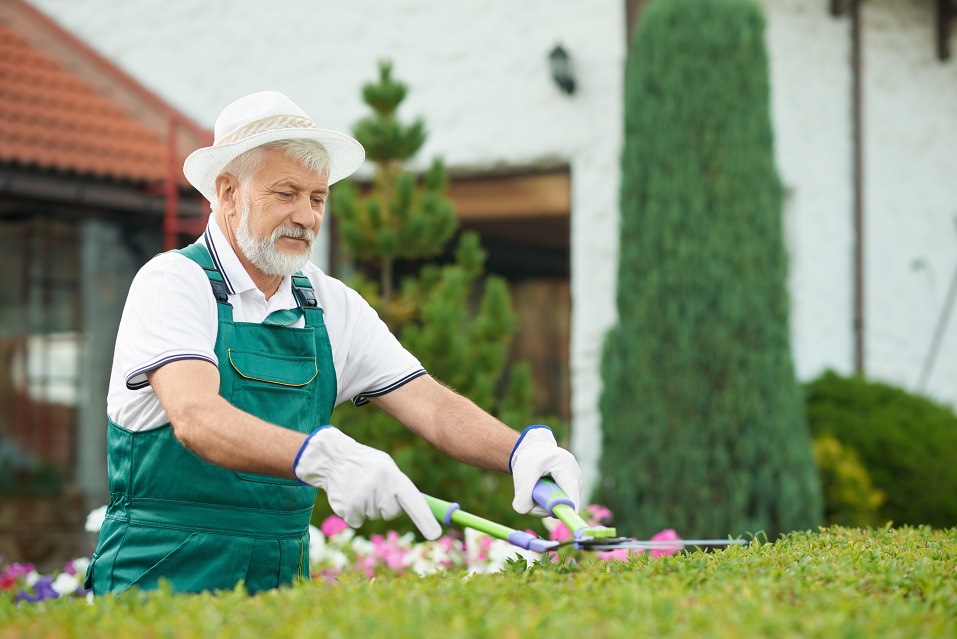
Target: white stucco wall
478,73
911,194
479,76
810,109
910,190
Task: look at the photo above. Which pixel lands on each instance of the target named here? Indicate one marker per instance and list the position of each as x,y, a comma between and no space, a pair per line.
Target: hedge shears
549,496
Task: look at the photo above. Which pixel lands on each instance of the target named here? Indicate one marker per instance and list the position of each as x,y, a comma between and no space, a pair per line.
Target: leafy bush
849,495
841,582
907,443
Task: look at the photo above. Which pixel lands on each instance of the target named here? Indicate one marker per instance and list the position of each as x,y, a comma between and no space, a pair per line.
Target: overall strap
199,254
302,289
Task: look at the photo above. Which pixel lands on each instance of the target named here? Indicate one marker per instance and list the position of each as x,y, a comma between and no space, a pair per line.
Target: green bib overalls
177,517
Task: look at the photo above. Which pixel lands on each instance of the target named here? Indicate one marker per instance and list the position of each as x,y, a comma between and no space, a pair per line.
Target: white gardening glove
536,454
361,482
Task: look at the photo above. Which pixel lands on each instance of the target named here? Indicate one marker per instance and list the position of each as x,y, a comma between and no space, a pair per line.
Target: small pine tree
703,422
458,323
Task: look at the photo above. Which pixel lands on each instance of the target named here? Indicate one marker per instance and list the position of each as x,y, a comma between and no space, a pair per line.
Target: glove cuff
302,449
511,458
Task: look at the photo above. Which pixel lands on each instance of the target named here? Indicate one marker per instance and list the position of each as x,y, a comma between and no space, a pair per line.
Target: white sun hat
258,119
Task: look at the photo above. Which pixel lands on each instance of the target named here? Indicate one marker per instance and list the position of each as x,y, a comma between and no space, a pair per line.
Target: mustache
296,232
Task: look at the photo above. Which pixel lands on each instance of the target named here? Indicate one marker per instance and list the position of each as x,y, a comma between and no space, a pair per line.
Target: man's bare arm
450,422
216,430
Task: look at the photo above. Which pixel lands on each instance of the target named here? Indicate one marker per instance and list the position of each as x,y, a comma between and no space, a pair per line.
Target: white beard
262,252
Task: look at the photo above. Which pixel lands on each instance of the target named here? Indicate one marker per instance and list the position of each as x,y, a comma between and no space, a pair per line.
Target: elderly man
230,357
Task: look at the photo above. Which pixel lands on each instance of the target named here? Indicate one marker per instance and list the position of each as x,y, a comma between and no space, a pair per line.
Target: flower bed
335,550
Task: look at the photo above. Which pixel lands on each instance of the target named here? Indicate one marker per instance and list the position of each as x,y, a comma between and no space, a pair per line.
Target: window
39,352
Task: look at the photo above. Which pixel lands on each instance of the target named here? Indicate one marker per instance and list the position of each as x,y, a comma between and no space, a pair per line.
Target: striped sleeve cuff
136,379
363,398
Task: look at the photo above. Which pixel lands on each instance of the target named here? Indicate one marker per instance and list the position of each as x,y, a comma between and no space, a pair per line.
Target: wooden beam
543,195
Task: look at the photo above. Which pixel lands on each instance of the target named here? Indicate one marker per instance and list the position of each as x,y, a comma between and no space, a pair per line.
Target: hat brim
204,165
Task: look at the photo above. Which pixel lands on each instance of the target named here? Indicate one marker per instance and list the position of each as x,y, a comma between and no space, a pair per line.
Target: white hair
309,153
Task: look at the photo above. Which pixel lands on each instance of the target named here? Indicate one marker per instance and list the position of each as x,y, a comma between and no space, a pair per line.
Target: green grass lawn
838,582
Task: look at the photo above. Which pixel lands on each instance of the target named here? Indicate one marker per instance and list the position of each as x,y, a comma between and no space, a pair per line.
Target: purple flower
43,589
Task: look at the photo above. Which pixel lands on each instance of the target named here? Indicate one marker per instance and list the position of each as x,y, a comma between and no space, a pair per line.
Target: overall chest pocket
280,389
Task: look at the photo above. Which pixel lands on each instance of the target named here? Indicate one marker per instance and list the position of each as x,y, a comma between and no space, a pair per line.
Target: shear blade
635,544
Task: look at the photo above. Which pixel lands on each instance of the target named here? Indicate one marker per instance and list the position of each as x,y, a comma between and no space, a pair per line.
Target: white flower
80,564
362,546
500,551
317,541
338,559
94,521
31,578
423,567
65,584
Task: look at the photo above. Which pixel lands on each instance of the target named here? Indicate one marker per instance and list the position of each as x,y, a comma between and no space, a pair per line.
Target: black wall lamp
561,65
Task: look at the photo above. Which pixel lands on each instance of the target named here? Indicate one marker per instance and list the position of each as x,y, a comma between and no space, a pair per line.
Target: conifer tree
703,422
458,323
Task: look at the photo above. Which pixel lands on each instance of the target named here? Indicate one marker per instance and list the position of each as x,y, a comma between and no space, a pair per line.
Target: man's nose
303,214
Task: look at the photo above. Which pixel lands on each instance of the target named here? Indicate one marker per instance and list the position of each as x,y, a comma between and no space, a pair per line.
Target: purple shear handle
528,541
447,520
546,497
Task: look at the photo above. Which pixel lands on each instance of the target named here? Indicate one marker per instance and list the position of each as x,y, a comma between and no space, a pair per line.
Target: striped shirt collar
224,257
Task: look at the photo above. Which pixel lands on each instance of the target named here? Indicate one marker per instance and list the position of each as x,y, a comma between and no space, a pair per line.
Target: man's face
281,210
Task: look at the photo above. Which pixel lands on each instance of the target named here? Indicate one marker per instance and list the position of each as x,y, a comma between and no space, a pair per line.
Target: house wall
909,192
479,76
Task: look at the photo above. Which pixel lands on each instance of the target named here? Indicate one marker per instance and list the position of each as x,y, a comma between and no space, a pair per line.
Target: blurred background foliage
456,320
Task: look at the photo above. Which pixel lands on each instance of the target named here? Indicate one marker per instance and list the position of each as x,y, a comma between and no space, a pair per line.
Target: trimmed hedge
906,442
896,582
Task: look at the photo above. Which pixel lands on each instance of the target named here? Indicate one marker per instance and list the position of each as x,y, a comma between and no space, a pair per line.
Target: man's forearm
234,439
452,423
213,429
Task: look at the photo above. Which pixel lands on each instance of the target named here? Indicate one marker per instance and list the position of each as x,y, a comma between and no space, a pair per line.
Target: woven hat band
272,123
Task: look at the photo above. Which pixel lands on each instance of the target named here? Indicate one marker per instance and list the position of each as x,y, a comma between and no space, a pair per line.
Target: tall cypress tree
703,421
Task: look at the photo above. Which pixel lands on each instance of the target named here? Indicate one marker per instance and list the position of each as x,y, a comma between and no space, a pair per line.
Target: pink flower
598,514
446,543
619,554
667,534
560,533
390,551
333,525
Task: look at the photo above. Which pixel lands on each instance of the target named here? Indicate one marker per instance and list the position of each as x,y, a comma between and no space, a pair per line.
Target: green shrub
907,443
702,418
841,582
850,498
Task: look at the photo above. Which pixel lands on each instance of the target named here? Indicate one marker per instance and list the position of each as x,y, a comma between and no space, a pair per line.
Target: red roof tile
65,107
51,119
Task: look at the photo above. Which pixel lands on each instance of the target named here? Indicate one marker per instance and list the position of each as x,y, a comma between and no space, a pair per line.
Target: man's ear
227,194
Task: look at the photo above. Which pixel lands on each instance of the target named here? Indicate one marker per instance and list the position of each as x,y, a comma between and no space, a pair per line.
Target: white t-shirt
171,314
